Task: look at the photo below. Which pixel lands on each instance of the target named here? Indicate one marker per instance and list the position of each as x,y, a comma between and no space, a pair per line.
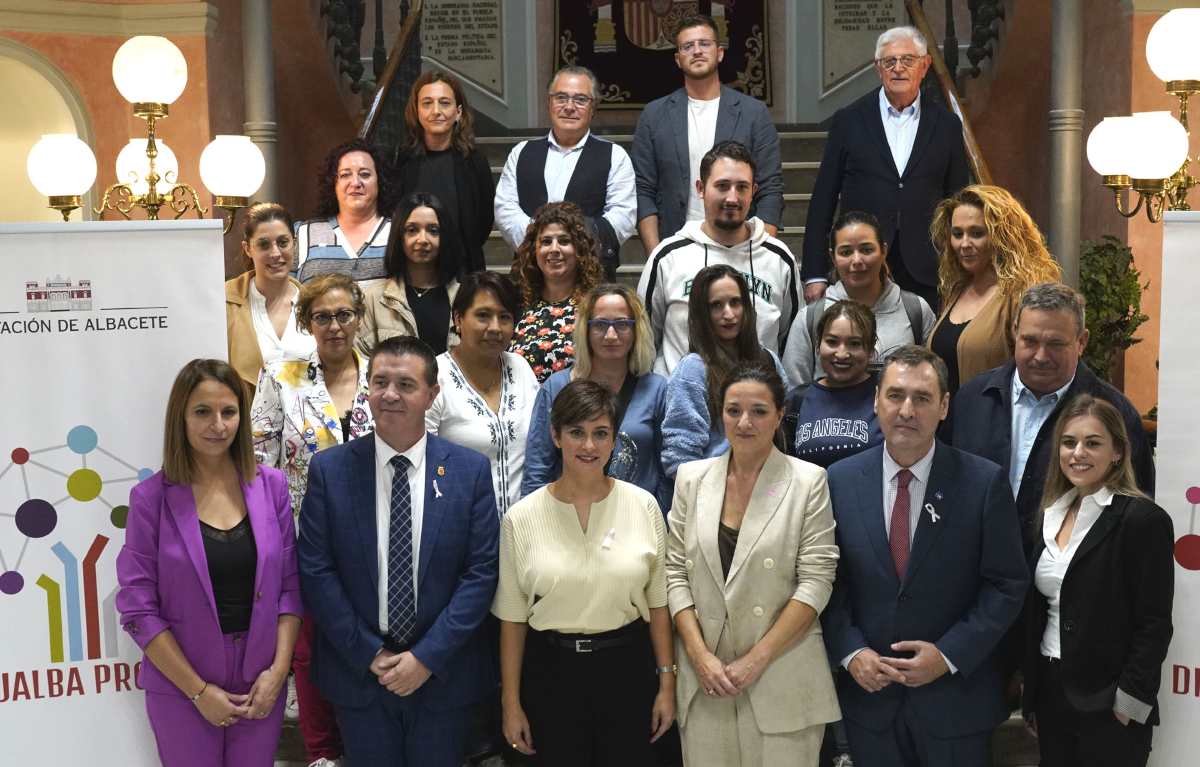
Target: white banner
96,319
1178,486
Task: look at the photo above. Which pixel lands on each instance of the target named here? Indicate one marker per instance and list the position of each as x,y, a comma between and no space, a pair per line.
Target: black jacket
981,423
858,173
476,192
1115,620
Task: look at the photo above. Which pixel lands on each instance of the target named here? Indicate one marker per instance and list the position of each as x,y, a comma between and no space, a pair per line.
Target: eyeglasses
601,327
343,317
691,45
891,61
561,99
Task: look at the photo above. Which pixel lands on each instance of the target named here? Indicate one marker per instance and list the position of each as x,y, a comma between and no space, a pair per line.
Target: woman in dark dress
441,159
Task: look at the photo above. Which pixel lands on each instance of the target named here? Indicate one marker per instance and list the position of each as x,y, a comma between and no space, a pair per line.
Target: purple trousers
186,739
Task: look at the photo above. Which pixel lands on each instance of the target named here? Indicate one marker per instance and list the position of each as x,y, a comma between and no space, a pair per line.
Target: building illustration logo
58,295
71,593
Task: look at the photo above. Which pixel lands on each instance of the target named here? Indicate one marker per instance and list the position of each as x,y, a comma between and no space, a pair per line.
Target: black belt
577,643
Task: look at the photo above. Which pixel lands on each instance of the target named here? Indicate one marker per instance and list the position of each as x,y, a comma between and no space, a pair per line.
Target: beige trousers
721,732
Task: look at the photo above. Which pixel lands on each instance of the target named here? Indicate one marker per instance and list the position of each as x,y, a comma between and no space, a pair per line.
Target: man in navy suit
398,565
892,154
931,575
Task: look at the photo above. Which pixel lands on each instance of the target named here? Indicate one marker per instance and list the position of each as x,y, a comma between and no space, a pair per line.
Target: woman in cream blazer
750,564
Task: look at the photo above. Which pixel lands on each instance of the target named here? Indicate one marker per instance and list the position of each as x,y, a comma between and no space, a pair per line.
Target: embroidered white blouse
462,416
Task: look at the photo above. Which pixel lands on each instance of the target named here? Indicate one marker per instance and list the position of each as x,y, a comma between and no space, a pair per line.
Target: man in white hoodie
725,236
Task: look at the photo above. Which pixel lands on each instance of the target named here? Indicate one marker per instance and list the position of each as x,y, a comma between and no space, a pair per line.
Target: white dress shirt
383,512
292,345
1053,563
702,134
1029,414
916,502
620,206
900,127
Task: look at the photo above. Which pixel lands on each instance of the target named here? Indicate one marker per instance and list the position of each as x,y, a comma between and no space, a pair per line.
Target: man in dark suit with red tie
892,154
931,574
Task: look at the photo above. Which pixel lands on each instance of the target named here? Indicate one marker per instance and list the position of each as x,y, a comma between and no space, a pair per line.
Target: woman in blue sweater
834,416
614,346
721,334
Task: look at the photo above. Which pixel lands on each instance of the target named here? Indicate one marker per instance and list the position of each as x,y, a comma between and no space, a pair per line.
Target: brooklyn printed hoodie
765,262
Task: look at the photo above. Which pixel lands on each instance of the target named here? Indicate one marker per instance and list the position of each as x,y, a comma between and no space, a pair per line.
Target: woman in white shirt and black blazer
1099,613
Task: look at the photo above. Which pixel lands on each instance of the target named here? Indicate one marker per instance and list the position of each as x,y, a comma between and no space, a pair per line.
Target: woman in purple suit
209,585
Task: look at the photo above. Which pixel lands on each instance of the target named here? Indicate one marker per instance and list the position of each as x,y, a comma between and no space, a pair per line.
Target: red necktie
898,536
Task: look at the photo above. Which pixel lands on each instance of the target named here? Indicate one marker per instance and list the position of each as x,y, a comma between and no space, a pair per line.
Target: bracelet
196,697
672,669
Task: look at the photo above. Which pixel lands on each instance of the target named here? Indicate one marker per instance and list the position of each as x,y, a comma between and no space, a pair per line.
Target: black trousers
590,709
902,277
1067,737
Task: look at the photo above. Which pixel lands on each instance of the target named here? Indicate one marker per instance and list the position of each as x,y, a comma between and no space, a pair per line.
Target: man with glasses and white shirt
570,165
675,131
894,155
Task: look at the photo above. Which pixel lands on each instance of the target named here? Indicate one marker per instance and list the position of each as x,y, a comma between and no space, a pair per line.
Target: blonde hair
1019,254
178,463
641,356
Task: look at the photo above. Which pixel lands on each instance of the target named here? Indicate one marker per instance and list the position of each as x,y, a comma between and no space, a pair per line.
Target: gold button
758,611
687,563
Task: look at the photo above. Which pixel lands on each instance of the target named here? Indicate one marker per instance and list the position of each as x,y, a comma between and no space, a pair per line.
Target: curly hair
327,204
1019,253
462,134
525,272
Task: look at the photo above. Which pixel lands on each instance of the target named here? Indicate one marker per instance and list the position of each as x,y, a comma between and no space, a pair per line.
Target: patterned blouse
462,416
543,336
293,417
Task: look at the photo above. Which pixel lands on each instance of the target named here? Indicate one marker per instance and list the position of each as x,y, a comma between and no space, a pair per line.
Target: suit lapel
1100,529
436,503
709,499
941,475
769,489
924,134
870,512
729,110
183,510
874,123
255,494
362,507
677,115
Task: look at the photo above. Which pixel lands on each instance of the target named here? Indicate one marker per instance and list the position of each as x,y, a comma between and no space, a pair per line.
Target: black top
232,560
431,309
345,421
726,543
470,204
435,175
945,345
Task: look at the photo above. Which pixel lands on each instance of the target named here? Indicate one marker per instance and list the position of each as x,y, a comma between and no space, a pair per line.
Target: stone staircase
800,148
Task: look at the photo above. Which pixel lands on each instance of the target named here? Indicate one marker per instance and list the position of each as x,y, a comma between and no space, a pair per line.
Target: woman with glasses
554,269
613,347
421,258
260,304
486,394
301,407
441,159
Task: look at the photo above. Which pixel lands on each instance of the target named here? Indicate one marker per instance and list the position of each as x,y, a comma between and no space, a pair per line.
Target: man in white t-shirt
681,127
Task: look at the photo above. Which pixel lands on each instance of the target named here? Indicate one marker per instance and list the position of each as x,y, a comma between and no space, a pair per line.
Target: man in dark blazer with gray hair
675,131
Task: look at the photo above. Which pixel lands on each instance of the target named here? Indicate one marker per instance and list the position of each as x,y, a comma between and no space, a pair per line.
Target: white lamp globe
1171,45
232,166
1161,145
60,165
133,166
149,69
1108,145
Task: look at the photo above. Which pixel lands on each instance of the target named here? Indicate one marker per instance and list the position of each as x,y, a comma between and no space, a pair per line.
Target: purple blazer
164,580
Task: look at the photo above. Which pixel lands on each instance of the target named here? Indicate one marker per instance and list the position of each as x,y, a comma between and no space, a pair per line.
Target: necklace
420,292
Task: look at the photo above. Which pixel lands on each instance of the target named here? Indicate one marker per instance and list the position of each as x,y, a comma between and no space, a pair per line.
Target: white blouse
462,416
1053,563
293,345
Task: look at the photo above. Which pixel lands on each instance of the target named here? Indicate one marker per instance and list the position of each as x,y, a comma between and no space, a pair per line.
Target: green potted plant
1112,286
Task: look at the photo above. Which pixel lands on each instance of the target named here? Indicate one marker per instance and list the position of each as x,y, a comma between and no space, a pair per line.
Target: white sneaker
291,708
323,762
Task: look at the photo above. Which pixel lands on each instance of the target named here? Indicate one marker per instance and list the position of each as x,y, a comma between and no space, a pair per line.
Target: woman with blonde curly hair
554,269
991,251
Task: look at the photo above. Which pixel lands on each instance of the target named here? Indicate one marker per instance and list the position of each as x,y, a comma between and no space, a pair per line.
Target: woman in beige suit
750,564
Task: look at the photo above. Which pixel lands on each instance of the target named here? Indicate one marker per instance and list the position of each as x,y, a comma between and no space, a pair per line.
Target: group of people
847,503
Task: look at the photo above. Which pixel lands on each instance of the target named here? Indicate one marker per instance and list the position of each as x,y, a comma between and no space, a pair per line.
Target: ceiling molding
107,19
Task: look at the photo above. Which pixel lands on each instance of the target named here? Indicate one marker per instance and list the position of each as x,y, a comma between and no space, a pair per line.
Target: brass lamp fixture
1148,152
150,73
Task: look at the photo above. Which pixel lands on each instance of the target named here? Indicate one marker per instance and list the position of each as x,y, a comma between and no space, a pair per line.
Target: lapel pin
937,495
609,537
933,515
441,471
436,493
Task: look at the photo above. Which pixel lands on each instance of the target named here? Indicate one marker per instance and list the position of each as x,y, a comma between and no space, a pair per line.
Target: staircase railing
388,79
949,90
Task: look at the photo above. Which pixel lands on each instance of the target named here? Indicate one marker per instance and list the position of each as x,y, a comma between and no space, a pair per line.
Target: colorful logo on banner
71,597
58,295
1187,548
